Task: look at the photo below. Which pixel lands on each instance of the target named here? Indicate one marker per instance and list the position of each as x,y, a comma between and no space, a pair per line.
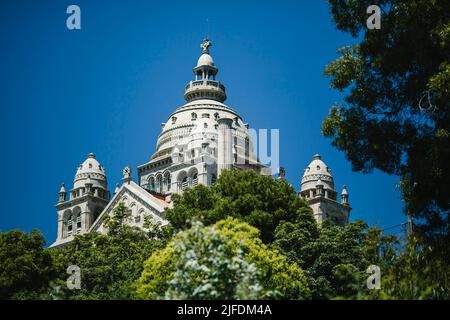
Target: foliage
261,201
25,267
396,115
415,274
335,258
226,260
109,263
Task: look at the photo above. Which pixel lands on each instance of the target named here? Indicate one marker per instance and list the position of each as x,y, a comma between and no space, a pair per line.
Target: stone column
60,225
224,146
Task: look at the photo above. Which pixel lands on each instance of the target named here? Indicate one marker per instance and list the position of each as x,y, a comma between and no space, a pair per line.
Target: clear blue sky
107,88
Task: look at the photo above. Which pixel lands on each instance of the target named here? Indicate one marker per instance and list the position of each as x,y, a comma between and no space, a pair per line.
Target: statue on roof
205,45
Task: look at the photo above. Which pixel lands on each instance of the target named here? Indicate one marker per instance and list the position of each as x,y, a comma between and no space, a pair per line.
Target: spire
62,193
63,188
344,195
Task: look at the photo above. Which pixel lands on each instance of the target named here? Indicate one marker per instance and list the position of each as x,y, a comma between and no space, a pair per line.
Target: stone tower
87,199
317,187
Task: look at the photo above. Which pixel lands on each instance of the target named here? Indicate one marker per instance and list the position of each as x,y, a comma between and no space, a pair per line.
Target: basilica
200,139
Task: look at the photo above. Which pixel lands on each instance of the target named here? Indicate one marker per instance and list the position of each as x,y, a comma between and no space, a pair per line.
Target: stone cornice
316,177
78,200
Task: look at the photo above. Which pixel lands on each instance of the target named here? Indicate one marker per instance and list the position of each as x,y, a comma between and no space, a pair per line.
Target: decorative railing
211,88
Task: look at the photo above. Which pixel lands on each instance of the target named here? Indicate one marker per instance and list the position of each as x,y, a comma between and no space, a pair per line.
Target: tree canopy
261,201
396,113
226,255
25,266
109,264
226,260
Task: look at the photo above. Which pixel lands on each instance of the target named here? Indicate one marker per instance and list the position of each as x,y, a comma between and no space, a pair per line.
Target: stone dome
205,60
90,171
316,171
194,125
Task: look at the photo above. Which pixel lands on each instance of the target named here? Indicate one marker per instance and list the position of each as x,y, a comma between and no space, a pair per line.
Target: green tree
261,201
226,260
25,266
416,273
396,115
109,263
334,258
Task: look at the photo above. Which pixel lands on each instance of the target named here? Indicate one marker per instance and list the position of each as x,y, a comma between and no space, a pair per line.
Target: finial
116,189
316,156
281,172
62,193
63,188
126,174
91,155
344,195
205,45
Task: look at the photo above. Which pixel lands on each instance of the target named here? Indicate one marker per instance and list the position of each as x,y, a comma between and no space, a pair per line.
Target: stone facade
198,141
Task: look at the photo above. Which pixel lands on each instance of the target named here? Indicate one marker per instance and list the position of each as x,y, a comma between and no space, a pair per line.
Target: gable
139,201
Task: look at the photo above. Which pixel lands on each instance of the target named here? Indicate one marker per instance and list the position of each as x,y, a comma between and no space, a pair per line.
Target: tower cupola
205,85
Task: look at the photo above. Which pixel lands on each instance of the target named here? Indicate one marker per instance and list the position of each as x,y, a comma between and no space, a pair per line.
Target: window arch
182,180
151,184
193,177
167,180
69,225
159,184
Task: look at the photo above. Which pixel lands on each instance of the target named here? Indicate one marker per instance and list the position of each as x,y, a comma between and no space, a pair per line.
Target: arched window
159,184
69,225
151,184
184,183
78,223
193,116
194,179
168,181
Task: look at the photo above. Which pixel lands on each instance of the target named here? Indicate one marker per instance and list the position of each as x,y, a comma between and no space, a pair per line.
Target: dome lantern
205,85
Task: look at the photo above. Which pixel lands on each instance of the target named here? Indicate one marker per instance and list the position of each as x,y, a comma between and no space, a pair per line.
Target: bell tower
87,199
